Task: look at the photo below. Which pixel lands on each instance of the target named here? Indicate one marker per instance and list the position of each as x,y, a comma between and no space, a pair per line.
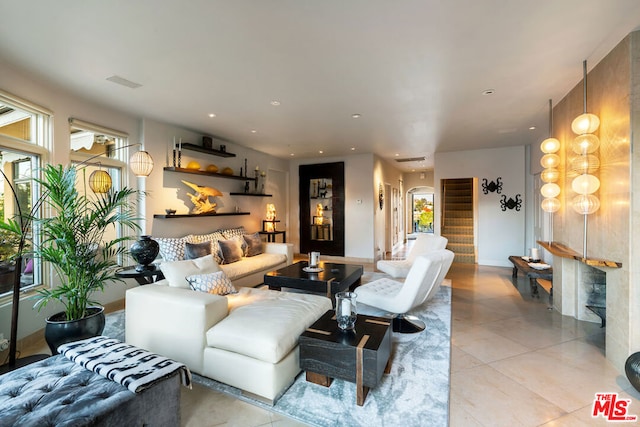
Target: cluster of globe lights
550,161
584,145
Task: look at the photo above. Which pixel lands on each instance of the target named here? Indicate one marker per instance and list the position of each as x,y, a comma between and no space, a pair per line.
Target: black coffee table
360,356
333,279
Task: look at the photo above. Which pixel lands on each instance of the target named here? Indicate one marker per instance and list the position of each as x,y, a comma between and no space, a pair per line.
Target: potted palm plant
74,241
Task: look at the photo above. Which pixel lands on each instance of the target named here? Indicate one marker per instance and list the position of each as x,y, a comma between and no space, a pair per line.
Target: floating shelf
216,174
561,250
193,147
164,216
251,194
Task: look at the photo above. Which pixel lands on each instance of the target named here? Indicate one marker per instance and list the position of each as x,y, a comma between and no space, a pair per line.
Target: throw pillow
172,248
254,244
233,232
213,239
176,272
214,283
196,250
230,250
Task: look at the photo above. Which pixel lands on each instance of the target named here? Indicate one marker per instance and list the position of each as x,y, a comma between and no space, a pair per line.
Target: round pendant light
550,175
585,144
585,123
141,163
585,204
550,146
100,181
550,204
585,184
550,161
550,190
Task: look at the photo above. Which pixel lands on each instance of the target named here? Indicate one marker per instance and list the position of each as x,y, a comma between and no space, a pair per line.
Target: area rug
415,393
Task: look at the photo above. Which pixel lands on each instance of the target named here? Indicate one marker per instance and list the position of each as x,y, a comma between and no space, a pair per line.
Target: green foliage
73,238
426,218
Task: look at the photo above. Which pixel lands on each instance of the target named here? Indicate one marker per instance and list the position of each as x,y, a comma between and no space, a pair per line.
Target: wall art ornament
381,196
493,186
511,203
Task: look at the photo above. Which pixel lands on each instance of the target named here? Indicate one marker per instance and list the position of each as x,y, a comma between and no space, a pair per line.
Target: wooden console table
532,274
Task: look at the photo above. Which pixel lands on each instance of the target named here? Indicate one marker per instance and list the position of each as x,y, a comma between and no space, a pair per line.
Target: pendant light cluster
586,162
141,164
550,175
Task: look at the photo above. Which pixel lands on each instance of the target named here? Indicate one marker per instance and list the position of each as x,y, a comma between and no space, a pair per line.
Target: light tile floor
514,363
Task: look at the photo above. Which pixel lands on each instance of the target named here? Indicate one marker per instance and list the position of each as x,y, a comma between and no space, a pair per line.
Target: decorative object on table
314,259
381,195
212,168
511,203
493,186
263,179
170,211
180,153
227,171
223,148
270,223
534,255
207,142
73,242
193,165
144,251
585,145
632,369
246,171
257,177
346,311
200,199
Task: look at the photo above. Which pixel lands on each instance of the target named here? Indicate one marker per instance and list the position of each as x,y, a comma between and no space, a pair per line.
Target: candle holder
346,312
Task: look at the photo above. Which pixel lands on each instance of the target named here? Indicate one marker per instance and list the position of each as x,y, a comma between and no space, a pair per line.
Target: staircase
457,218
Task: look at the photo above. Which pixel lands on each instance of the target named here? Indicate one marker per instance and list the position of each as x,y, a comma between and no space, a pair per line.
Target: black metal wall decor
511,203
492,186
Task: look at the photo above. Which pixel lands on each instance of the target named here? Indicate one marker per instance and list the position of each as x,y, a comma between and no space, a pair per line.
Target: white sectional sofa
248,340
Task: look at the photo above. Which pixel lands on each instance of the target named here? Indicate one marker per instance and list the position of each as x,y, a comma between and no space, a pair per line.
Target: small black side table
142,277
271,235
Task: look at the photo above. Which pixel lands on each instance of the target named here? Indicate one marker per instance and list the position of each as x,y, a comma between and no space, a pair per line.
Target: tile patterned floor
514,363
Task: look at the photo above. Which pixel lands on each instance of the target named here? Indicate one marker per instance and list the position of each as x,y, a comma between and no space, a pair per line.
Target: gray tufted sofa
58,392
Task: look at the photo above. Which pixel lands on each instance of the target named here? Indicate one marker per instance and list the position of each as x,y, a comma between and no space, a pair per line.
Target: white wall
500,234
359,225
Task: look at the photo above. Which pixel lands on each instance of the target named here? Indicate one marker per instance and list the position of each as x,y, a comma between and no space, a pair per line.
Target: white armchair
425,276
424,244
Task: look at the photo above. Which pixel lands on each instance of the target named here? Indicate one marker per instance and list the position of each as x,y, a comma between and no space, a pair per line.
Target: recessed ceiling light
254,131
320,151
275,103
356,116
532,128
212,115
488,91
353,148
292,154
397,154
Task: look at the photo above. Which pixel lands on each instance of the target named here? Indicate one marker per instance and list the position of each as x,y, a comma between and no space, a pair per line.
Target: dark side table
142,277
271,235
360,356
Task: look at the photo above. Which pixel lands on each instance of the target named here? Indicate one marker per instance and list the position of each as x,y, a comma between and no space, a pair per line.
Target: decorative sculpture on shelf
492,186
269,224
511,203
201,202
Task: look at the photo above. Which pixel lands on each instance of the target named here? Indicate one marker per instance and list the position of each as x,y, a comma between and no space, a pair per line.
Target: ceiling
415,71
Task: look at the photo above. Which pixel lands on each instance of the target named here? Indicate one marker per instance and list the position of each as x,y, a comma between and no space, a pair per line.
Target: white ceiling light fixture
356,116
488,91
275,103
212,115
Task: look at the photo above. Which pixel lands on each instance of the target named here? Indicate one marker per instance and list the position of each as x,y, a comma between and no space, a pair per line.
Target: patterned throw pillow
230,250
172,248
254,244
212,238
176,272
234,232
214,283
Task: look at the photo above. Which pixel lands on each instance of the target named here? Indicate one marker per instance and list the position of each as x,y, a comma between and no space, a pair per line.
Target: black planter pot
144,251
59,331
632,369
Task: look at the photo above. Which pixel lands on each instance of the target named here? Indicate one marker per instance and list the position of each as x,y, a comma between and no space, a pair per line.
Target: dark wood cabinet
322,208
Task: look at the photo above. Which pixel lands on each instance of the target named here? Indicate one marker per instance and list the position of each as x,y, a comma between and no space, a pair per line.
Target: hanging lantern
550,175
585,184
550,161
141,163
550,204
585,144
550,190
550,146
585,123
585,204
100,181
585,164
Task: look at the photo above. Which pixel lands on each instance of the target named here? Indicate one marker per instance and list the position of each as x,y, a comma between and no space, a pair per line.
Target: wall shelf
164,216
193,147
561,250
201,172
251,194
